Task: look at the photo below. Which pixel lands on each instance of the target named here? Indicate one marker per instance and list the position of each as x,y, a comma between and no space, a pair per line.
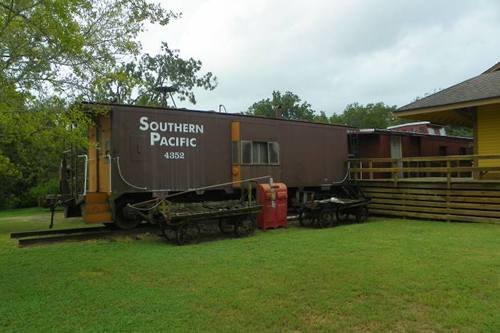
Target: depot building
474,103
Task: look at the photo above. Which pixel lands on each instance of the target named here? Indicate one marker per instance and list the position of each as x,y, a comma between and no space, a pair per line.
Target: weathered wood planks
470,201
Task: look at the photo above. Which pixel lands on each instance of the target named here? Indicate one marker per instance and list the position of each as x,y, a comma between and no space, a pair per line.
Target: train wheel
361,214
188,233
306,219
168,231
342,214
325,219
245,226
125,217
227,227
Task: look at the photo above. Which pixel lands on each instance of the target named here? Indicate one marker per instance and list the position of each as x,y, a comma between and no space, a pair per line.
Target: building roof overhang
455,105
458,114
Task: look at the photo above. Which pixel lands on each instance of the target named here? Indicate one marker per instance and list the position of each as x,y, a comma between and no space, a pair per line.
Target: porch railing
448,167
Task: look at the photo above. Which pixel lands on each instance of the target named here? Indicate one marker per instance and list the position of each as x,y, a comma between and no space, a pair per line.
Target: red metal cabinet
273,198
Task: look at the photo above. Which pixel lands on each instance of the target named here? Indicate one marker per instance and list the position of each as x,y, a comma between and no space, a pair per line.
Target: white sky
331,52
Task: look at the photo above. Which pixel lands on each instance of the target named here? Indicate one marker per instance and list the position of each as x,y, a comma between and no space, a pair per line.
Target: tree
31,142
287,105
459,131
73,49
321,118
58,45
378,115
137,82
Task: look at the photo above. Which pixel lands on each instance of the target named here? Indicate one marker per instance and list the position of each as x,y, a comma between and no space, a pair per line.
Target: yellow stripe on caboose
235,142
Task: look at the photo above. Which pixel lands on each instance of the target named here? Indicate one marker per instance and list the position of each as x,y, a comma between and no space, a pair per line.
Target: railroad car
138,153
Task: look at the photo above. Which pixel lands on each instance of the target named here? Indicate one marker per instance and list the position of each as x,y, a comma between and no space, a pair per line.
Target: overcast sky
332,52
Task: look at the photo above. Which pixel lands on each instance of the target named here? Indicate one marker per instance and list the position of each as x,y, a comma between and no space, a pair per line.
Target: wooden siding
474,201
488,133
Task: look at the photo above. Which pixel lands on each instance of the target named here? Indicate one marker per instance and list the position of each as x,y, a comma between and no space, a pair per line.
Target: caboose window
274,152
246,152
259,153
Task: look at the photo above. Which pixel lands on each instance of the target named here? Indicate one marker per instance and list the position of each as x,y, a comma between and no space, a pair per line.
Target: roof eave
454,106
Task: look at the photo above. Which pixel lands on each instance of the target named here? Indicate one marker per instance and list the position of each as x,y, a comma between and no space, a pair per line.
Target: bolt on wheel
306,218
325,219
226,226
188,233
361,214
342,214
245,226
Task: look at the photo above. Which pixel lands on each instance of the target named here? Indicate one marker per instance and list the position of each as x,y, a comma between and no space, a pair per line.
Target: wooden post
475,164
448,173
396,172
448,189
249,189
370,165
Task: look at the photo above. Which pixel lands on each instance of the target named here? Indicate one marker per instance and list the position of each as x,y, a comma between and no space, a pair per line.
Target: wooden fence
445,167
451,188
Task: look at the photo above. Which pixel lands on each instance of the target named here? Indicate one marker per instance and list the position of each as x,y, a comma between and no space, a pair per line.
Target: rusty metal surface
310,154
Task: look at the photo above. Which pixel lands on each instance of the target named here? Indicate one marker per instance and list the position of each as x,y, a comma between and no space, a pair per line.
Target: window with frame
260,153
246,152
274,153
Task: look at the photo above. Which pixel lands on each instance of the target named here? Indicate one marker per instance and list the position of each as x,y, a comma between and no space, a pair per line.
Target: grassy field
388,275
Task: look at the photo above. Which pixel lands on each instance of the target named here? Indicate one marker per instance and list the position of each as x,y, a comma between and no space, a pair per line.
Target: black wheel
188,233
125,217
325,219
342,214
227,227
361,214
307,218
245,226
168,231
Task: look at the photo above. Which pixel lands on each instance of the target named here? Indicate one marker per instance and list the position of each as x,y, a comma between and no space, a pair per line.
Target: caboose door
99,171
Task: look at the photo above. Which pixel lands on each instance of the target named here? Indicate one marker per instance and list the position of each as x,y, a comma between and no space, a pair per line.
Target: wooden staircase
96,208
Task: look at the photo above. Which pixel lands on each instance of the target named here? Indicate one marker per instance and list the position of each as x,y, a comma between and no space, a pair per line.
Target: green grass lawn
388,275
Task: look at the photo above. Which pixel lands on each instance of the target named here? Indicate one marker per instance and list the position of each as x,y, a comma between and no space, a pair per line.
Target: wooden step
93,208
98,217
96,197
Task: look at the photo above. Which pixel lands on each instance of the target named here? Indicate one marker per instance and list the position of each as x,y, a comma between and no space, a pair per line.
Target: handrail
85,170
427,158
426,169
110,160
453,166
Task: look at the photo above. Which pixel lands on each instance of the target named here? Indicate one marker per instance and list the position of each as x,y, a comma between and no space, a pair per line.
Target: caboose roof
205,111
